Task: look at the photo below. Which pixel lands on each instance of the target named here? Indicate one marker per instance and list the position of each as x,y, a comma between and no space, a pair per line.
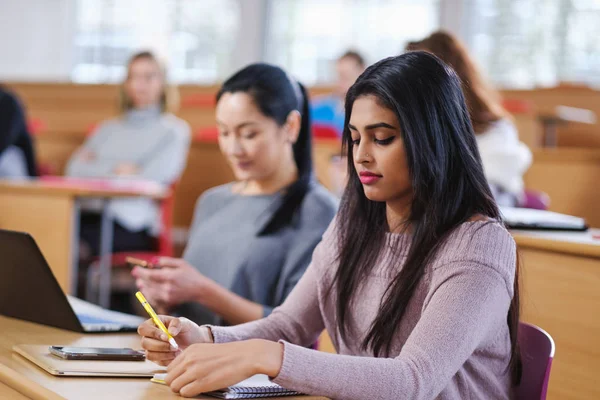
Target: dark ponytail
276,95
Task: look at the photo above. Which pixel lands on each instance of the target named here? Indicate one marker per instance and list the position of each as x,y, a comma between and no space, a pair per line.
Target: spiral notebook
255,387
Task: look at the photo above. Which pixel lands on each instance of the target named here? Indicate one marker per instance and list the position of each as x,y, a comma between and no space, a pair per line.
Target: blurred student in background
505,158
145,142
329,110
251,240
17,156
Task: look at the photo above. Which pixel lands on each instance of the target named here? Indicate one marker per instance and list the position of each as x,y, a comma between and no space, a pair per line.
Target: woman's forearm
231,307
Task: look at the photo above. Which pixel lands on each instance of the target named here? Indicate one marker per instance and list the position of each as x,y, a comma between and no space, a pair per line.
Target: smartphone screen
97,353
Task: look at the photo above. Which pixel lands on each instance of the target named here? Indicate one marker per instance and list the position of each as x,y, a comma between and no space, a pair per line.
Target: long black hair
276,95
448,184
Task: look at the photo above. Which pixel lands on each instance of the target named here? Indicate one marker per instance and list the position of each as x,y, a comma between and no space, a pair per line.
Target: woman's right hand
184,331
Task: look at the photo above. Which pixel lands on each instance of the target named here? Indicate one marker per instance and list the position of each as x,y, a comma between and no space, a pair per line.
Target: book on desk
525,218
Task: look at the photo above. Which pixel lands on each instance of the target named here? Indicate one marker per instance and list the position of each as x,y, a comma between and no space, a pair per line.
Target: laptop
525,218
29,291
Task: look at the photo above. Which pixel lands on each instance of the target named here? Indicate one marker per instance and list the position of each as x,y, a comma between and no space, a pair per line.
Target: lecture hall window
196,37
306,36
529,43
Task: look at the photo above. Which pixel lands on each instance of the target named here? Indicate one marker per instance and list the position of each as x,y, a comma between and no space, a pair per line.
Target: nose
361,153
232,145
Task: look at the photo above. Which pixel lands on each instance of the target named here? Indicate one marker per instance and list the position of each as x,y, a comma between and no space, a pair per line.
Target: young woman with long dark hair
415,280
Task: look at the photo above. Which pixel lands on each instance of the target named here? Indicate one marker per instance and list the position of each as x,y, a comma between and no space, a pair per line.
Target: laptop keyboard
88,319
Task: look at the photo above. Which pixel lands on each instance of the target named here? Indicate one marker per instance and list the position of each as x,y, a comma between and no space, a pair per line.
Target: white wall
36,36
36,39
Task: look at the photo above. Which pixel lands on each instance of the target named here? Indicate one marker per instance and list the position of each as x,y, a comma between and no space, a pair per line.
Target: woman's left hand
207,367
175,283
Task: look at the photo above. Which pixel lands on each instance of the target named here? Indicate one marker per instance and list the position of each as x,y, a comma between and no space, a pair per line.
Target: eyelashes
383,142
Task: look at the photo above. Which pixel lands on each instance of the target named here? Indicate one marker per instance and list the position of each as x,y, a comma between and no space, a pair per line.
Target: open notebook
252,388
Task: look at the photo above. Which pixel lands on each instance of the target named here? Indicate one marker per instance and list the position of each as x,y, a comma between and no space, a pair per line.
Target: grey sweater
157,143
452,343
224,245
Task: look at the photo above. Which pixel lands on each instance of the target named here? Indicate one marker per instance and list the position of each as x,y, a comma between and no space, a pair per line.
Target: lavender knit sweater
453,342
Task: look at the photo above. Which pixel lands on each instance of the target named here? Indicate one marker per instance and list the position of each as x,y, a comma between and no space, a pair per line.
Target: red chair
90,129
35,126
198,100
537,352
323,131
164,248
517,106
535,200
207,134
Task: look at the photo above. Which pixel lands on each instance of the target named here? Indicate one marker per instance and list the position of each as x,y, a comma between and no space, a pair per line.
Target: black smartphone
97,353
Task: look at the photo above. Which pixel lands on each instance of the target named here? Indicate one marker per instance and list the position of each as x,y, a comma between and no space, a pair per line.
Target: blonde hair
485,103
169,98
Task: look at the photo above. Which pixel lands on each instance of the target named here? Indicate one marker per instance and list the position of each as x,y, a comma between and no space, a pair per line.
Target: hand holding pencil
163,345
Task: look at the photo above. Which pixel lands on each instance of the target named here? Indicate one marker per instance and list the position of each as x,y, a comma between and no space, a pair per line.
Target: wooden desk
560,292
31,382
570,177
49,211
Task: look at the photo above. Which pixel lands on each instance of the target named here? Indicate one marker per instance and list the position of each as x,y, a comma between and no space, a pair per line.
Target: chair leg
91,292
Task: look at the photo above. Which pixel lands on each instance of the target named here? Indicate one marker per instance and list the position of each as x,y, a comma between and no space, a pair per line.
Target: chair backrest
207,134
537,352
199,100
517,106
535,199
324,131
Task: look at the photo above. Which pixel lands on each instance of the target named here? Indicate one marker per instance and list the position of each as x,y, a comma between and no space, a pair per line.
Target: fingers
160,357
176,368
170,262
150,275
192,389
140,273
148,329
186,377
150,344
175,326
201,383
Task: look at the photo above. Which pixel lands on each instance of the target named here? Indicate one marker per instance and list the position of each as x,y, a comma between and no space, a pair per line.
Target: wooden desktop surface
560,292
572,243
89,189
19,375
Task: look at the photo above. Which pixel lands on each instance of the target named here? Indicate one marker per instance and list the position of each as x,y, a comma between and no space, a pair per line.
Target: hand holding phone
136,262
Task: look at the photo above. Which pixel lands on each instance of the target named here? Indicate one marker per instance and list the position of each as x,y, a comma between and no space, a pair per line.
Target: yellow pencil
155,318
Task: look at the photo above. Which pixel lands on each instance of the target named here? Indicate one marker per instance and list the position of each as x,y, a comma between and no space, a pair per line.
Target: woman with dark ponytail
415,280
251,240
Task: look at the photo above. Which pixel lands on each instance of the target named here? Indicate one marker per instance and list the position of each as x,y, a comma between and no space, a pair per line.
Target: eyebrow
239,126
374,126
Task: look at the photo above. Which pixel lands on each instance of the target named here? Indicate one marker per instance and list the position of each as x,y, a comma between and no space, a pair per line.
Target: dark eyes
383,142
250,135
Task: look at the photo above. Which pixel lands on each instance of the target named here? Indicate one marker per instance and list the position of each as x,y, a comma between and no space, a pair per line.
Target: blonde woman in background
144,142
505,158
